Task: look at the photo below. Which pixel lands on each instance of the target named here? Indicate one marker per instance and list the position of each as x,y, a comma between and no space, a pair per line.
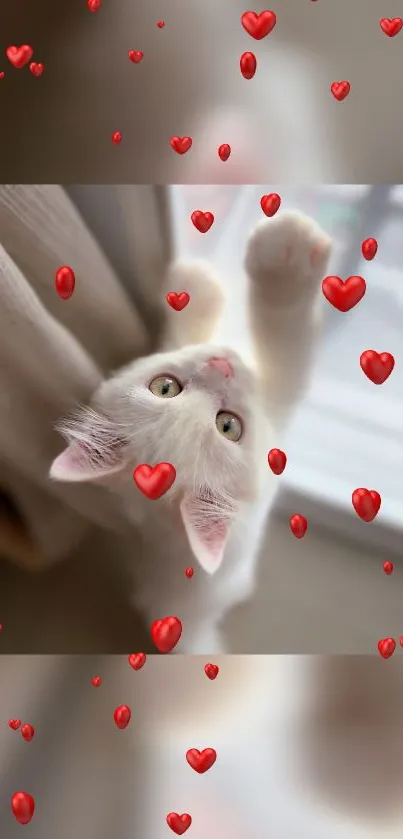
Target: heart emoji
224,152
181,144
211,671
298,525
388,567
165,633
122,716
28,732
23,807
94,5
177,301
248,65
96,681
340,90
19,56
344,295
154,481
377,366
386,647
2,75
65,282
137,660
179,824
277,461
201,761
135,56
366,503
369,248
202,221
270,204
258,25
391,26
189,573
160,24
116,138
14,724
36,69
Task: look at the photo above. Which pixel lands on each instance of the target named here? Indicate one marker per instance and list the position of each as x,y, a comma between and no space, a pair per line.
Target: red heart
340,90
201,761
270,204
386,647
28,732
165,633
23,807
96,681
2,75
202,221
122,716
160,24
116,137
248,65
377,366
366,503
179,824
178,301
211,671
258,25
65,281
189,573
344,295
181,144
36,69
277,461
298,525
224,152
14,724
154,481
19,56
388,566
94,5
137,660
369,248
135,56
391,26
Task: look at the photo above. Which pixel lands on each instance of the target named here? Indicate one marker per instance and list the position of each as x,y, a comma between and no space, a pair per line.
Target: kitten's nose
221,364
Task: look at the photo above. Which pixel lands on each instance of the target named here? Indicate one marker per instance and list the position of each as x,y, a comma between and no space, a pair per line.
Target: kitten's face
196,408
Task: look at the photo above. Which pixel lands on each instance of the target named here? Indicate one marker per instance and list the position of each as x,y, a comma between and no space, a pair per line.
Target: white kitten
198,406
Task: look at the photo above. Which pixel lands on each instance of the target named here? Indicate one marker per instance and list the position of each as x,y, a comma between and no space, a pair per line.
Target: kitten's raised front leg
195,323
286,261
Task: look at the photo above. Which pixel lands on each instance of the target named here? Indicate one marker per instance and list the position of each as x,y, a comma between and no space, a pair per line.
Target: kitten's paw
197,321
286,254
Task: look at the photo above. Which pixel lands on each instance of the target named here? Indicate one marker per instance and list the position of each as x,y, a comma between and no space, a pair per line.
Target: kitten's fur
218,505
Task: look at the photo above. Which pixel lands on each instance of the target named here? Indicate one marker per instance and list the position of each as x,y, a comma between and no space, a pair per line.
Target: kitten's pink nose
221,364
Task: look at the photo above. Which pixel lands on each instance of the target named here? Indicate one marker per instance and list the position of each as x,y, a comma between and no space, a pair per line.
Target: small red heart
14,724
36,69
340,90
258,25
298,525
19,56
377,366
2,75
135,56
201,761
23,807
94,5
202,221
137,660
248,65
369,248
122,716
391,26
160,24
224,152
270,204
96,681
65,281
211,671
344,295
386,647
165,633
189,573
178,301
116,138
154,481
401,640
366,503
179,824
388,567
181,144
277,461
28,732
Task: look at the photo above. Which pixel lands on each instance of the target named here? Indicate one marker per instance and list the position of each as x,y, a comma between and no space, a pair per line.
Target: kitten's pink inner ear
206,530
79,463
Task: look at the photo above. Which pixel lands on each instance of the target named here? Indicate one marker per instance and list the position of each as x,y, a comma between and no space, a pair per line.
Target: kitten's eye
165,387
229,426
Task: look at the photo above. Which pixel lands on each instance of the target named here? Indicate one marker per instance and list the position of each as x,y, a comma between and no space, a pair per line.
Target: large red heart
366,503
165,633
377,366
122,716
154,481
258,25
179,824
177,301
391,26
340,90
201,761
202,221
28,732
23,807
270,204
135,56
277,461
211,671
386,647
181,144
19,56
344,295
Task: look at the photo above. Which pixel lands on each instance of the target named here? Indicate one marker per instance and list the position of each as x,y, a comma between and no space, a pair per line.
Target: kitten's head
196,408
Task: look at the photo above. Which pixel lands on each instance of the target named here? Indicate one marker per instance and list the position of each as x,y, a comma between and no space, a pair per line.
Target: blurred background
326,593
306,747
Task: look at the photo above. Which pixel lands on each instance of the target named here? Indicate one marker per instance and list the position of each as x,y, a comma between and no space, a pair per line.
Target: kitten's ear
94,450
207,522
